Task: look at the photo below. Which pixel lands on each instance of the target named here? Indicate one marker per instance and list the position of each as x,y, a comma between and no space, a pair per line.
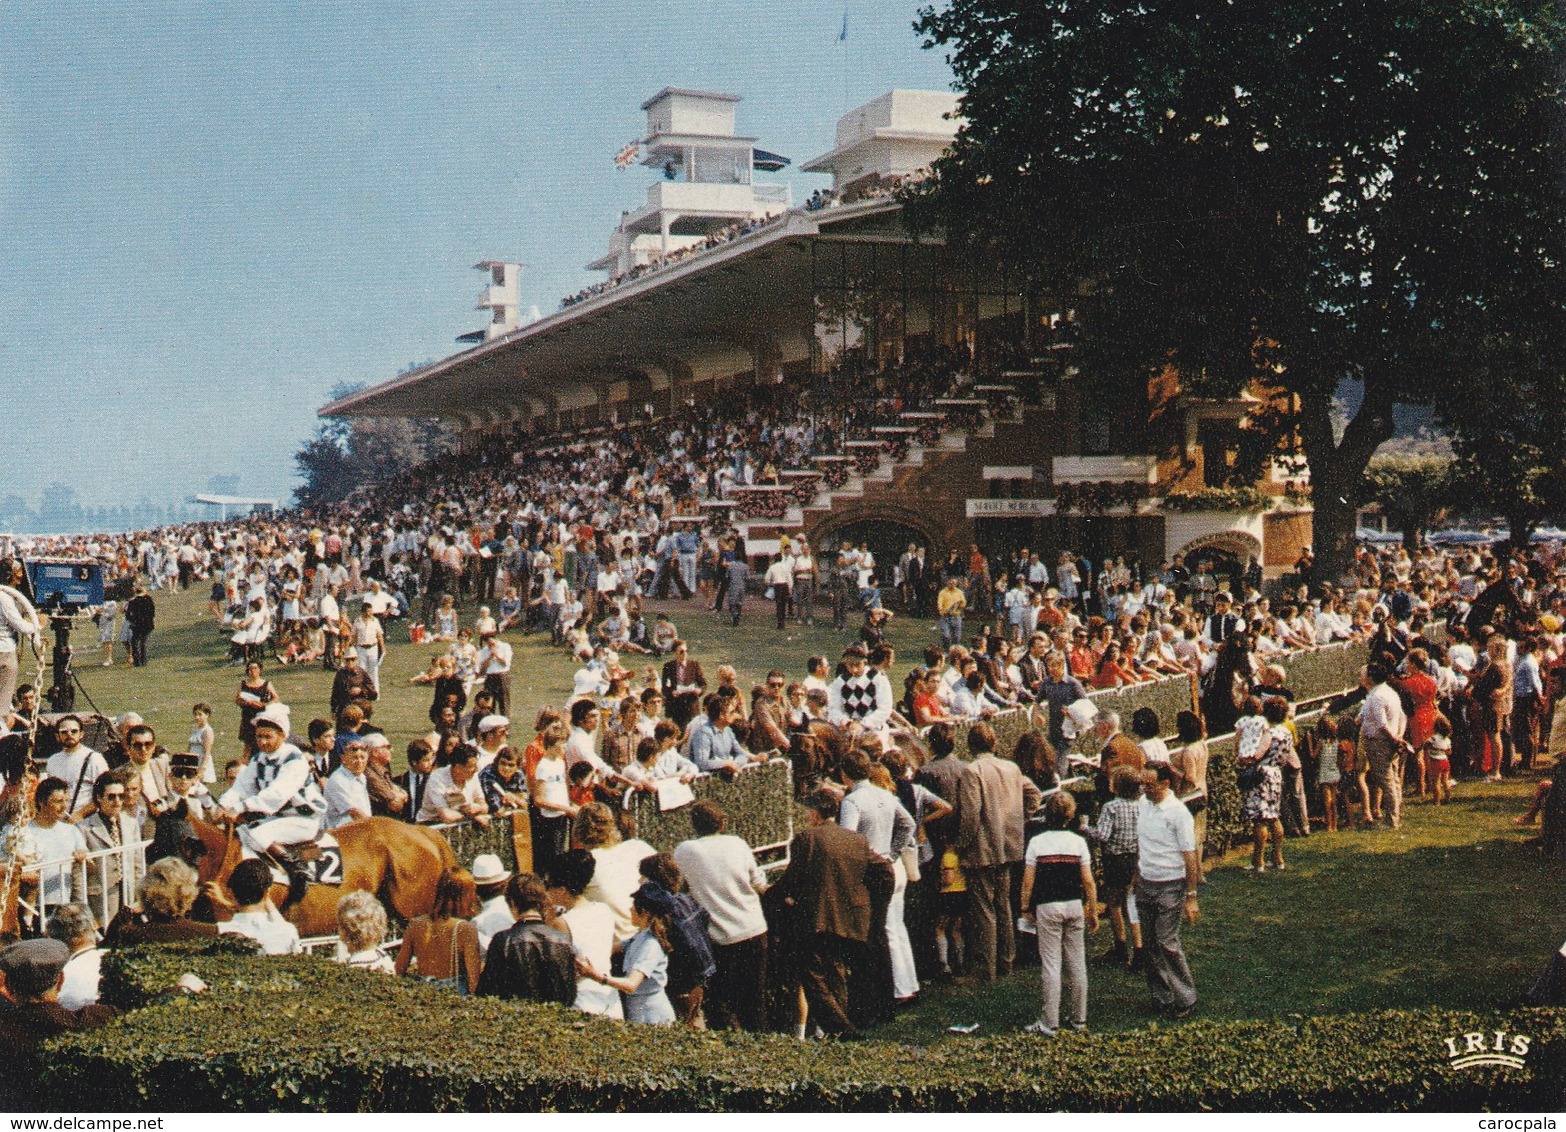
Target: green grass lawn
1451,910
187,665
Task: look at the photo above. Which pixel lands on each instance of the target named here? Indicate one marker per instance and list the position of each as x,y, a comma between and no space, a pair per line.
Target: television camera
62,588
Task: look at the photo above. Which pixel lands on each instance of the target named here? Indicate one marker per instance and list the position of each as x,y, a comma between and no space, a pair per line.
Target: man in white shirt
72,925
454,793
725,880
256,918
1382,724
816,675
780,580
75,764
1169,868
347,792
494,915
494,665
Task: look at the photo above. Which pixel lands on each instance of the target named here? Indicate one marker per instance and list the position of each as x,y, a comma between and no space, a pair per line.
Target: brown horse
818,751
398,862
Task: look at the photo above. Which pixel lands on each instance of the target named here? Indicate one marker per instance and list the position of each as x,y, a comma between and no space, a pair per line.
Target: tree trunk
1520,527
1337,470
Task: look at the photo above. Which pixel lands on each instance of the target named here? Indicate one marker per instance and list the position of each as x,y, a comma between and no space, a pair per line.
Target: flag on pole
627,156
842,36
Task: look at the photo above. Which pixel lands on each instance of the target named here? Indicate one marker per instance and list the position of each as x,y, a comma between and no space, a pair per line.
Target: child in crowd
646,963
1115,834
201,739
1438,759
953,912
582,784
446,619
1328,772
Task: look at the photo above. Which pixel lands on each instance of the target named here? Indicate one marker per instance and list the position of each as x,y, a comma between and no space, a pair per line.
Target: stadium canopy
737,298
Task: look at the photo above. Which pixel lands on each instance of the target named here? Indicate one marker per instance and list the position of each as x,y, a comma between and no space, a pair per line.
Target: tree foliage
347,453
1511,447
1413,491
1290,194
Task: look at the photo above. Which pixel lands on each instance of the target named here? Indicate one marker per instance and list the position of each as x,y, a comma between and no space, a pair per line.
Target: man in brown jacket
994,799
769,717
826,892
1119,749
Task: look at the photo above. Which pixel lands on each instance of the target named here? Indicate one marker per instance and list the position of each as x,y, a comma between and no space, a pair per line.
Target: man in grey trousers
1169,867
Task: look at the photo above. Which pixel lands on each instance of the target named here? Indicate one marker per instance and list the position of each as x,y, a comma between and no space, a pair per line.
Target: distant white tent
252,506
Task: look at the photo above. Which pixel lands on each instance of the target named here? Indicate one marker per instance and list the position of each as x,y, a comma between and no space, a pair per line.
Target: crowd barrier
759,802
1312,675
509,836
93,883
758,805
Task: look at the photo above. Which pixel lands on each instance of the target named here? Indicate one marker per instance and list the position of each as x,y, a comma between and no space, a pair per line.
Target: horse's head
205,848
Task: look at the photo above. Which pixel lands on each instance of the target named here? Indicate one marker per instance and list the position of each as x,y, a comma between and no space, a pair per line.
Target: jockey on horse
276,801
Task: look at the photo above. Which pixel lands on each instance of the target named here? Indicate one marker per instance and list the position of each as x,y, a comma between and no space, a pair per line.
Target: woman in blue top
646,961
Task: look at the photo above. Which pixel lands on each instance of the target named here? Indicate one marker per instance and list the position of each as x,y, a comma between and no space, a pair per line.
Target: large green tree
1298,193
347,453
1413,490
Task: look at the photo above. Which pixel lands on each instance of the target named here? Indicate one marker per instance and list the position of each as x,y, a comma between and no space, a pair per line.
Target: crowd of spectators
882,189
905,872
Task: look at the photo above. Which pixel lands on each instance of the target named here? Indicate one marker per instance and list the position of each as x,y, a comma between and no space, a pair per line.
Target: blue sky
212,213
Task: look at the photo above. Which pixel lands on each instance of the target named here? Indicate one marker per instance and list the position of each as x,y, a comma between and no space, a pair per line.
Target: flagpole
842,39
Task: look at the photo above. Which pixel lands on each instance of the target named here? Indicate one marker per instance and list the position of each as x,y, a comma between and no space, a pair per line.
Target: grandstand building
718,283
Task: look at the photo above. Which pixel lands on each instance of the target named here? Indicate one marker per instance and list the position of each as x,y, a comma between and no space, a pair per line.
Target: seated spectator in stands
361,928
255,916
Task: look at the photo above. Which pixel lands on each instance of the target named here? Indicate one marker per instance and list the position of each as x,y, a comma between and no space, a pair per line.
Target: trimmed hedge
501,837
304,1035
758,805
1326,671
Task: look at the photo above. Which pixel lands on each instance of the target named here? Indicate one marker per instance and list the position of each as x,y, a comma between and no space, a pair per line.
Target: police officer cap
31,966
184,760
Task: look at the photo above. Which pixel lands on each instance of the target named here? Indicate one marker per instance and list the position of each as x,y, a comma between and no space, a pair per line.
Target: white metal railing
332,947
89,881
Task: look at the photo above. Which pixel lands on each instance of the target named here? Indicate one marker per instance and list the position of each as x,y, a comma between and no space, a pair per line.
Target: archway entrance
1228,551
888,541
